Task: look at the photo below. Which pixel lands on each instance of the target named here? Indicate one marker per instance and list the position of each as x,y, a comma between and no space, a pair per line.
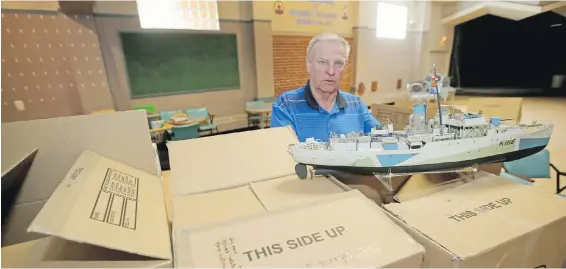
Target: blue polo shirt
298,109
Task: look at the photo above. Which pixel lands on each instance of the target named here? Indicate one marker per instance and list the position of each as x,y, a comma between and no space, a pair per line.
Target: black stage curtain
494,52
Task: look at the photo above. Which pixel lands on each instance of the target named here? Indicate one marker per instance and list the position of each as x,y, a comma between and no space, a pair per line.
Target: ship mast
434,85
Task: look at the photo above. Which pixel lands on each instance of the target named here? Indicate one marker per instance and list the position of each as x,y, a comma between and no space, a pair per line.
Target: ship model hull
372,158
423,168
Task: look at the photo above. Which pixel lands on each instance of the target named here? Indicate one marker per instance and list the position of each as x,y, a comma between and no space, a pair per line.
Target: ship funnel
419,118
419,109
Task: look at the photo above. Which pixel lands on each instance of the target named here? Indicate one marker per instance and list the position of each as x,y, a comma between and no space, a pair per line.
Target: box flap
490,207
231,160
106,203
14,172
18,255
14,175
10,164
343,230
67,138
290,191
53,252
214,207
421,185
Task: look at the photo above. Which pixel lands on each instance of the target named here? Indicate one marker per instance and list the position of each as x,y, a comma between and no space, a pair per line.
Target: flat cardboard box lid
108,204
343,230
212,207
223,205
490,207
291,190
226,161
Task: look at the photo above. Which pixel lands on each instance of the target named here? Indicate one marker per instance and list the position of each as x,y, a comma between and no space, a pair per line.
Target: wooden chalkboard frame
189,91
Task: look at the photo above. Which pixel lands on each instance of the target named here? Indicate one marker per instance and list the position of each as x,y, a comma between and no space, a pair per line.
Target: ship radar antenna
434,85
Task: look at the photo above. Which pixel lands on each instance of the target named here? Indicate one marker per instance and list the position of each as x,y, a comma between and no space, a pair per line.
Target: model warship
447,141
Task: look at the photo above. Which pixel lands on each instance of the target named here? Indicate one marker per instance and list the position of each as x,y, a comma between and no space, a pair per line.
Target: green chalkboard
164,63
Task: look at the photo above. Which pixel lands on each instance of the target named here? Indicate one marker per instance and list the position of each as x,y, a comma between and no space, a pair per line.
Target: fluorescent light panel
391,21
178,14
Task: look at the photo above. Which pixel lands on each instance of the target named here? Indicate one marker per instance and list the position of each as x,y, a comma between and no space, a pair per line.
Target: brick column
289,63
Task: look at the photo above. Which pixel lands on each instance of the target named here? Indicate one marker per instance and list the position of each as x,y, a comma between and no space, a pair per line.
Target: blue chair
202,113
183,132
254,119
166,115
535,166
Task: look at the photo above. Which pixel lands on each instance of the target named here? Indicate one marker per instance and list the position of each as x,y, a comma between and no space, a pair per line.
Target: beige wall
263,43
388,60
437,51
112,17
280,37
52,63
221,103
227,105
256,24
289,21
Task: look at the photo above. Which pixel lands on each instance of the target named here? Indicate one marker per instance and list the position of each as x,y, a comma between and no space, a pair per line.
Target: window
185,14
391,21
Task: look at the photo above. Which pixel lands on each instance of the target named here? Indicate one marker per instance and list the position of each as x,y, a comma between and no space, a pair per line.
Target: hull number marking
507,142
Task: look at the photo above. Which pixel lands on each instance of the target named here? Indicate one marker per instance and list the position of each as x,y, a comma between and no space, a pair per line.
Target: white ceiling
463,11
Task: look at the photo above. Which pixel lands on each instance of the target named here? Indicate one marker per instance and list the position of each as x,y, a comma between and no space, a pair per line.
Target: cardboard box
257,197
344,230
422,185
20,255
548,185
229,178
225,161
399,116
121,136
492,168
103,214
489,222
400,112
503,107
13,179
372,187
219,178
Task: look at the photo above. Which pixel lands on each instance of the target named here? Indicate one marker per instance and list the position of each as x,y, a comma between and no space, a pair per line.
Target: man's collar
309,98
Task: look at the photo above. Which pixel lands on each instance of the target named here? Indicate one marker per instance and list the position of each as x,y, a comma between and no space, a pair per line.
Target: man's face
326,65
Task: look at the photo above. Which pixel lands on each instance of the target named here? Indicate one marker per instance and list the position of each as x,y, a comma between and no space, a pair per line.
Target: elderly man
320,107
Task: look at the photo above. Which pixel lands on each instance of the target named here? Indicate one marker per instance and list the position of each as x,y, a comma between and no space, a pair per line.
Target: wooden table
262,111
370,98
187,122
169,124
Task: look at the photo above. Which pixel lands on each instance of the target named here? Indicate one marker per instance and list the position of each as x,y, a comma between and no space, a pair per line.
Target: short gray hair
328,37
